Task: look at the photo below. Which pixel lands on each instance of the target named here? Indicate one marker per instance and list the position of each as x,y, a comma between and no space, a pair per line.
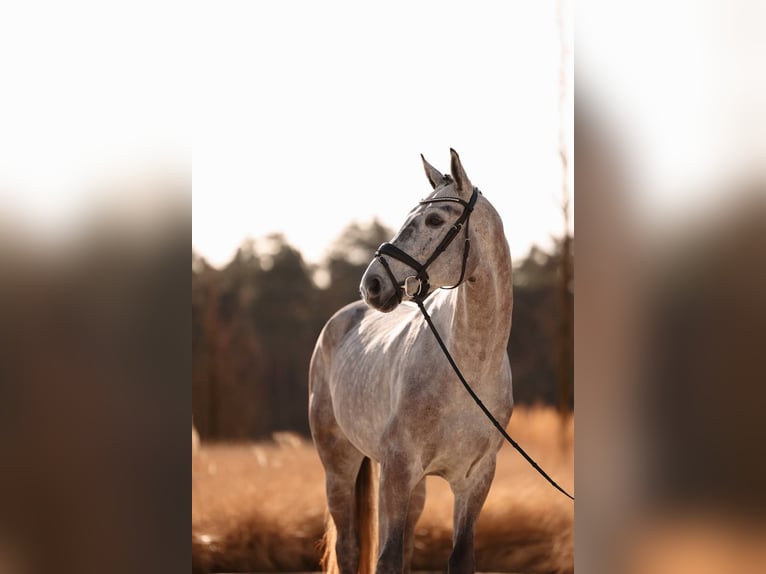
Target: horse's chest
443,428
449,428
457,447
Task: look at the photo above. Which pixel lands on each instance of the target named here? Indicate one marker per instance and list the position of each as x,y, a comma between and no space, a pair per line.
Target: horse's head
431,249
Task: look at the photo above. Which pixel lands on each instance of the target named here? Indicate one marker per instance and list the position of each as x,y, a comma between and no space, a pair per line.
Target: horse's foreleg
470,495
417,501
397,480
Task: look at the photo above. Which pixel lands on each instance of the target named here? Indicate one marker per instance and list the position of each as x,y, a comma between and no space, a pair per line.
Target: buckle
409,282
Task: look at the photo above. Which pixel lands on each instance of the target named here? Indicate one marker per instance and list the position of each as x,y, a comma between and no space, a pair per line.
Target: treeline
255,322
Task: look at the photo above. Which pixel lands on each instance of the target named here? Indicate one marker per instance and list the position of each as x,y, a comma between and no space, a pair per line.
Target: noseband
420,291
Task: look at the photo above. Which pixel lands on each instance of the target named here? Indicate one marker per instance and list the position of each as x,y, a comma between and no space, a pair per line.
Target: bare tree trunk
565,362
211,330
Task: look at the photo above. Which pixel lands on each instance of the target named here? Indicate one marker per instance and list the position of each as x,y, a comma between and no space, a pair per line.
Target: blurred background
95,213
256,319
671,179
98,112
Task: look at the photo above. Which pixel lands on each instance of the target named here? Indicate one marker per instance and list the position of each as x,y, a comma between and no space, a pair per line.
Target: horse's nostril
373,286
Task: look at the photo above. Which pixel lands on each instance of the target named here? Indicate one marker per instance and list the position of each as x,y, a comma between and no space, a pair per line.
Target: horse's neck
481,319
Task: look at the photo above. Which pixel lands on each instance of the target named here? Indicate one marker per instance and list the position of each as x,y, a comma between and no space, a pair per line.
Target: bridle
423,285
422,291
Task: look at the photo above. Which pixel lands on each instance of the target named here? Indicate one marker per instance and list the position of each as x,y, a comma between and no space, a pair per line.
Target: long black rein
423,291
481,405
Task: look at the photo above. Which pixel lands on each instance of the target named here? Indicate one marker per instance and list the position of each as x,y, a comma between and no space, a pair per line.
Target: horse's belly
361,400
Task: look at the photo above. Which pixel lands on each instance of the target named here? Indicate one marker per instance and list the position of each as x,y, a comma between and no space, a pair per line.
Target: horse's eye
433,220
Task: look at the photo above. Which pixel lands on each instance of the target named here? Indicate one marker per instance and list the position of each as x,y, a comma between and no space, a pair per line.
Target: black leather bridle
422,292
421,269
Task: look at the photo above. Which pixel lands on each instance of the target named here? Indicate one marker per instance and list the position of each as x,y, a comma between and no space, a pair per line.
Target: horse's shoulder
349,315
343,321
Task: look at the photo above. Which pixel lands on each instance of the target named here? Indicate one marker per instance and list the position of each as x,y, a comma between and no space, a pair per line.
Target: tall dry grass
261,506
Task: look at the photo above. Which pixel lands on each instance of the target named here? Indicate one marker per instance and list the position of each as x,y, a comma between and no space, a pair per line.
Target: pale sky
94,101
305,116
312,115
302,116
681,86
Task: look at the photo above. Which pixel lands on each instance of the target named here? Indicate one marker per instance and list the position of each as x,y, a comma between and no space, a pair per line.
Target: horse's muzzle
378,292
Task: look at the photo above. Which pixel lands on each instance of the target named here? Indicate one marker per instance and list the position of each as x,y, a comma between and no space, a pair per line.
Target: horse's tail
367,516
366,495
329,558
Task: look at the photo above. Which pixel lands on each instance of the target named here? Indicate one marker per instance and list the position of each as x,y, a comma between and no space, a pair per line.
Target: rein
481,405
422,292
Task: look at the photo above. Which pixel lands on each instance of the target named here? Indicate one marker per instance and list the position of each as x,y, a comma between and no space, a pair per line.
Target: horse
385,408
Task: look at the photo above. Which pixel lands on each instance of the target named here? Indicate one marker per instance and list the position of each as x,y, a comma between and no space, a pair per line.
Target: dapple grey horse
386,409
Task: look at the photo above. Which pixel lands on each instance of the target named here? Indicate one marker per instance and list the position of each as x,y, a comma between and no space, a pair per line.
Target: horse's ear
458,173
434,175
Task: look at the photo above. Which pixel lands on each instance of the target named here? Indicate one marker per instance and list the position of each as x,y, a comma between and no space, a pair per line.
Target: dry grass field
261,506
